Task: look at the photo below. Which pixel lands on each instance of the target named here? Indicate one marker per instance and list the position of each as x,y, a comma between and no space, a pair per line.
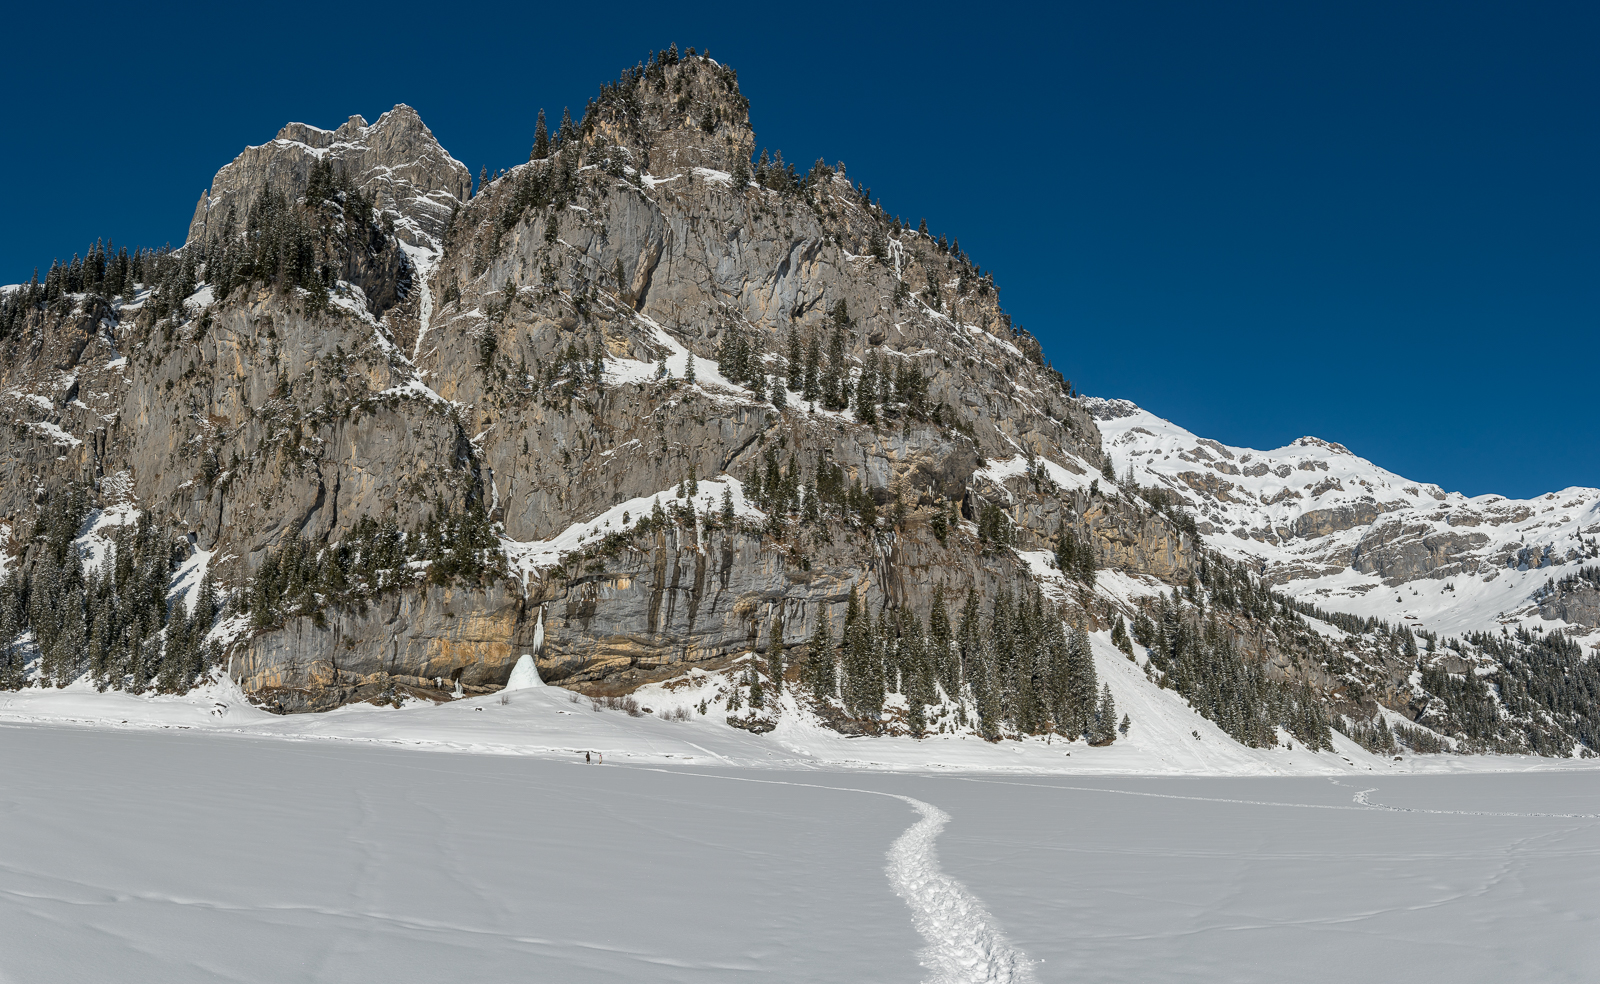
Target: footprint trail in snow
964,943
965,946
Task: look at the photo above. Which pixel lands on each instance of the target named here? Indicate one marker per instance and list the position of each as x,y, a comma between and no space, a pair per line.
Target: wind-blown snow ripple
964,944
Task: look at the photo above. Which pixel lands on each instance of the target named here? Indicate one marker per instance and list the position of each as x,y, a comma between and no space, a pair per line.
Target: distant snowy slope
1166,735
1336,529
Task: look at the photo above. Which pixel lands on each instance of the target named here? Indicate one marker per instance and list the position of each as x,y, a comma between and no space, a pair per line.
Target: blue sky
1376,223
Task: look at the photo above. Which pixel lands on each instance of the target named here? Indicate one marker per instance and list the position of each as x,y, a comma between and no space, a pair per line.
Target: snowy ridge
1330,527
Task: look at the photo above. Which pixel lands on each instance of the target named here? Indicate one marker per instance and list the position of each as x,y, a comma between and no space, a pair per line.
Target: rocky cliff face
524,354
1575,598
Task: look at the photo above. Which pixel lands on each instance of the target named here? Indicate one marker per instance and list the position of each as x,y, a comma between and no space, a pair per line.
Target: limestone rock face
1321,522
1578,604
674,602
528,362
412,637
1400,551
690,115
1136,541
396,161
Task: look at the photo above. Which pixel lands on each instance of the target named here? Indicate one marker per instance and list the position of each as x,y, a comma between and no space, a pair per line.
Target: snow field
175,857
1285,879
963,944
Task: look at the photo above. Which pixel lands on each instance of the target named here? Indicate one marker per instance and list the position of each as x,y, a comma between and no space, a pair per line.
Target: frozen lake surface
185,856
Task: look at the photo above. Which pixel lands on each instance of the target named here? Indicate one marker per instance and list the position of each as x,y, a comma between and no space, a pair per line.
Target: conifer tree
11,657
1081,682
1119,636
968,634
811,379
541,139
820,667
775,653
834,381
851,669
986,692
795,361
866,399
946,662
1104,729
1383,737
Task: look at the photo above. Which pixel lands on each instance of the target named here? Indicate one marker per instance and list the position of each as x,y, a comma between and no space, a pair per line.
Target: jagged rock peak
1103,409
396,161
677,111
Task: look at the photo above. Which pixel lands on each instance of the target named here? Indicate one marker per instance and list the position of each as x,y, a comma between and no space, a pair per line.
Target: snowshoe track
964,943
965,946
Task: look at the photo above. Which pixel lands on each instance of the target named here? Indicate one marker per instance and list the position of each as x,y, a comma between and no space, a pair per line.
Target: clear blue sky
1373,222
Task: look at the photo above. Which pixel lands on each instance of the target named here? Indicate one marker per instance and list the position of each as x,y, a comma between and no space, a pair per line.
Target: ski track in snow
1363,798
965,945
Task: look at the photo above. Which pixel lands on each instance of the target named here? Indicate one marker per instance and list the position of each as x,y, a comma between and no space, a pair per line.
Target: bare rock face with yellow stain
432,637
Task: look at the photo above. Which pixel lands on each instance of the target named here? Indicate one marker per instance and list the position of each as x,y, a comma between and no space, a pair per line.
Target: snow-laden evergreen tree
758,696
1103,731
1082,683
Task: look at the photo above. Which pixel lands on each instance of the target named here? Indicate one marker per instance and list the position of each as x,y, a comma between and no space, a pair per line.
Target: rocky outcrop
1401,551
1578,604
1321,522
1137,541
429,637
395,161
670,602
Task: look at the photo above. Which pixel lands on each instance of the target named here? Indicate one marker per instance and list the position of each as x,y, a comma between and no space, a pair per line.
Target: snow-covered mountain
1325,525
643,410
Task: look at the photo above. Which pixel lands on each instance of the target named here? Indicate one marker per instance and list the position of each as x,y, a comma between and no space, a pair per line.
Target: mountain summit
395,162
